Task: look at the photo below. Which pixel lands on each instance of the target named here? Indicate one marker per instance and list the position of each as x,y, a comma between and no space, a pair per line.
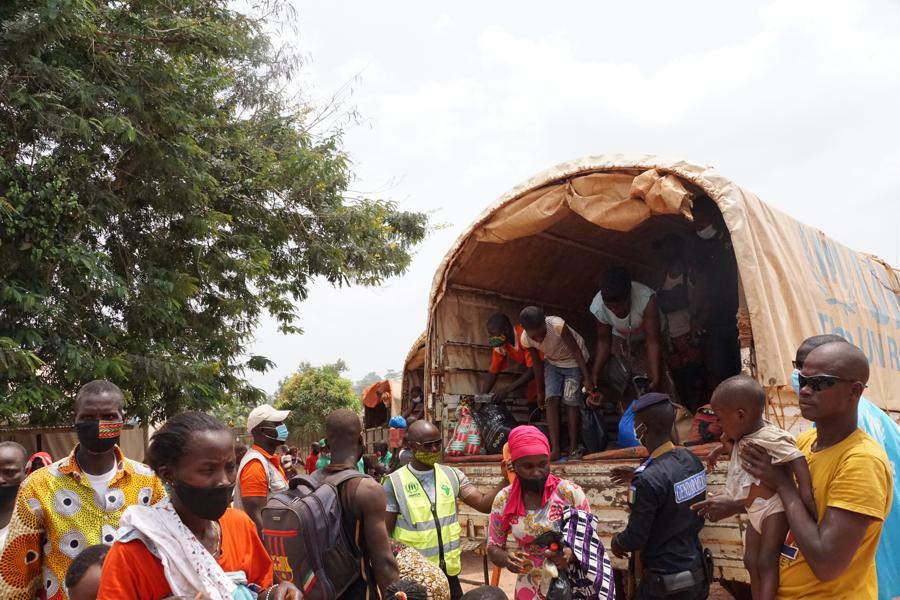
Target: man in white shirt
563,370
12,471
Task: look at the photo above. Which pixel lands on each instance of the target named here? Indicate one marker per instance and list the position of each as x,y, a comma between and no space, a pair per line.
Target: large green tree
159,193
312,393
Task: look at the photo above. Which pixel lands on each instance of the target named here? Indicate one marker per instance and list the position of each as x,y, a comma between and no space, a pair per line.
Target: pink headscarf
45,458
527,440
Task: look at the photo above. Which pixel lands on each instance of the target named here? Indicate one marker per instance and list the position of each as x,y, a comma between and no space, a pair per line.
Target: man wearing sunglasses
886,432
421,503
851,475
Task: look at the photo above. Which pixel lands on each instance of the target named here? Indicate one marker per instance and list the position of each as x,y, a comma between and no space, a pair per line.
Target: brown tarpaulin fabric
795,281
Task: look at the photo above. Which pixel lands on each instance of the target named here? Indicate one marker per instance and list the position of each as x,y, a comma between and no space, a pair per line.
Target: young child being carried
739,402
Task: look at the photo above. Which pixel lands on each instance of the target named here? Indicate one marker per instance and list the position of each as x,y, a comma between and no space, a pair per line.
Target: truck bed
608,502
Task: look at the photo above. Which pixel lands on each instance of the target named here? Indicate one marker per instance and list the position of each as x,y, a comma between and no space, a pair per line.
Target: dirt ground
472,576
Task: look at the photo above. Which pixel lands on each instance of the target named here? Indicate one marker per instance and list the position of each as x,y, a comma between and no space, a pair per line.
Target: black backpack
303,530
494,421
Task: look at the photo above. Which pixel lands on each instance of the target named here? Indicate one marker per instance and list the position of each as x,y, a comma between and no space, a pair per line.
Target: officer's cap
648,400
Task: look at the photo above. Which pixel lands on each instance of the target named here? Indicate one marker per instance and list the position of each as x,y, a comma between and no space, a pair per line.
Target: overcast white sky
795,101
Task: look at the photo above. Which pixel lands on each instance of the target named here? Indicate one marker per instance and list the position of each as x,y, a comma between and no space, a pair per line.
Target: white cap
265,412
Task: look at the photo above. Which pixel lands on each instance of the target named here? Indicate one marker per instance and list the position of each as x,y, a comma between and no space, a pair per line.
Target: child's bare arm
713,457
800,468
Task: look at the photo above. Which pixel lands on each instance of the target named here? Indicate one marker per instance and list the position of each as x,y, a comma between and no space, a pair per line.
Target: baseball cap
265,412
648,400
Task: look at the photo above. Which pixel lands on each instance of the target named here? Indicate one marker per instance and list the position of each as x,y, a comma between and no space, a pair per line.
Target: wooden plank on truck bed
609,502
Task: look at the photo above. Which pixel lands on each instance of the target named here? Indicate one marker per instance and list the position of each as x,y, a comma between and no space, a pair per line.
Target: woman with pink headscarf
532,505
38,460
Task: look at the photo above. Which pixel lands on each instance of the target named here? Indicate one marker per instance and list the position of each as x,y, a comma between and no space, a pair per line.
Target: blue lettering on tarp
878,300
820,257
872,342
690,487
876,348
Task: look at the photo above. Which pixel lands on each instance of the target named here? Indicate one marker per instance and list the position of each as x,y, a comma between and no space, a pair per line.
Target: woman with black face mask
191,544
533,505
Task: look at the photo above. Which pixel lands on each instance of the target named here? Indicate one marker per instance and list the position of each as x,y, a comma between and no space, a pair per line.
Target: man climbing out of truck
833,557
505,341
421,503
628,335
661,524
563,369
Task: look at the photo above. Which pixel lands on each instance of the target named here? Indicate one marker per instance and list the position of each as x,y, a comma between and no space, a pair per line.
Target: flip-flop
577,453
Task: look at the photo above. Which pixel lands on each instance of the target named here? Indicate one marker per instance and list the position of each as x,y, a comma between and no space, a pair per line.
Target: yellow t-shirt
854,475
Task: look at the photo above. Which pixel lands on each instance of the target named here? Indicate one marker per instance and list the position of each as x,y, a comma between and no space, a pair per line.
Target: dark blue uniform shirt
661,524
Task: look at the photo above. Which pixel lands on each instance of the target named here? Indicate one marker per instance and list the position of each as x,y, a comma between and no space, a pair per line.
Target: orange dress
131,571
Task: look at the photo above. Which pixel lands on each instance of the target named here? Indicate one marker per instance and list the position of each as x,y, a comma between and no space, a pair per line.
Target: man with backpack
421,503
327,534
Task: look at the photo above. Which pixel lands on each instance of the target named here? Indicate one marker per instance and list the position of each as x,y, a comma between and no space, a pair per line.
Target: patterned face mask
98,436
428,458
496,341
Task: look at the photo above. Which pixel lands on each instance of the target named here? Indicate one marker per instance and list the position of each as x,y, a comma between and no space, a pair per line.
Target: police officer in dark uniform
662,525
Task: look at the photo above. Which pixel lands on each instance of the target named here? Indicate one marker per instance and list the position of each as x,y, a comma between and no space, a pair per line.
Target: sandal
577,453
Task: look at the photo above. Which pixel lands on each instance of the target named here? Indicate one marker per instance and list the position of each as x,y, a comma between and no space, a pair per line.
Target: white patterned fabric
188,565
591,576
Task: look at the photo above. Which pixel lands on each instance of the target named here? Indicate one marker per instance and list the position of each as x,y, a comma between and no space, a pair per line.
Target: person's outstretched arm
654,344
604,347
575,350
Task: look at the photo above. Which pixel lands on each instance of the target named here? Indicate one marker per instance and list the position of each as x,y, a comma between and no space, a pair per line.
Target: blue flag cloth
626,428
886,432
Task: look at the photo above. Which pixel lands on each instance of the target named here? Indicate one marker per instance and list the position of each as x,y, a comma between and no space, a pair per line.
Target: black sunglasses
430,444
821,382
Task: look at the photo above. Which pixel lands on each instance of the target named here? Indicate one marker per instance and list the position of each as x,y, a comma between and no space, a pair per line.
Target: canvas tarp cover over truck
795,281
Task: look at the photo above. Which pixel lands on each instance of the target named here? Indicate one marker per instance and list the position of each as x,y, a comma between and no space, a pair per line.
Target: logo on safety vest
412,488
446,489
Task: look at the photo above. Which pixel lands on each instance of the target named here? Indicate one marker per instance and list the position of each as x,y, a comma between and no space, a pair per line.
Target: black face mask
206,503
8,492
98,436
533,485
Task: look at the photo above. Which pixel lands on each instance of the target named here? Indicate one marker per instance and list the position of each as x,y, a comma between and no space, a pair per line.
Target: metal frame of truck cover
546,241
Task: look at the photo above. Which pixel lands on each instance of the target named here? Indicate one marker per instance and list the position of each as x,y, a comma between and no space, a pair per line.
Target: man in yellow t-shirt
832,556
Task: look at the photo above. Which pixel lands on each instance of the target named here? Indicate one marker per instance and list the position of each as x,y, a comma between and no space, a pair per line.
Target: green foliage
159,193
373,377
312,393
369,379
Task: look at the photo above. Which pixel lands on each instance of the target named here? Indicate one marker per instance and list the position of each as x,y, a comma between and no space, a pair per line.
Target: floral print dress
525,529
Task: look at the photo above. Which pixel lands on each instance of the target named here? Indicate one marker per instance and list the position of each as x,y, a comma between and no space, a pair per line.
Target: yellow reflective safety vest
432,529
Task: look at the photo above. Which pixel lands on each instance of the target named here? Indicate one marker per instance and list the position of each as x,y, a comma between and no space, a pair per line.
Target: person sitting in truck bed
628,336
563,370
506,344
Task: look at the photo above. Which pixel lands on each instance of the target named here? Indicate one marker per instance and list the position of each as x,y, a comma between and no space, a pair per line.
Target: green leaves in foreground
159,193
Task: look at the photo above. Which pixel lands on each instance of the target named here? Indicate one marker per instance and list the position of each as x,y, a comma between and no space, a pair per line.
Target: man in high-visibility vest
421,503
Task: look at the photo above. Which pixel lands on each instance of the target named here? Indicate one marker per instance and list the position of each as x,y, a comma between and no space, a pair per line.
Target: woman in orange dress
191,544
